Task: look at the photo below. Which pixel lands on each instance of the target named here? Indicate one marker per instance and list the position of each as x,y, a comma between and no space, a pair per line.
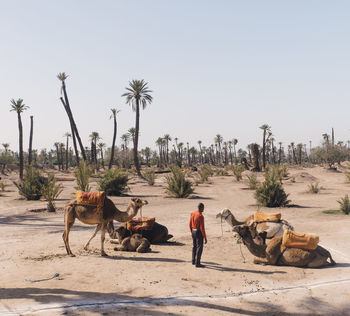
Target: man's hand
205,240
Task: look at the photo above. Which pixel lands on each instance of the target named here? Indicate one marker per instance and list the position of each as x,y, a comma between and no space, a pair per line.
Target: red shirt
197,222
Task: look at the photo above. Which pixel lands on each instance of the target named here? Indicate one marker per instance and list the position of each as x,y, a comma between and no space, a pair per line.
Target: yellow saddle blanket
292,239
266,217
90,198
145,223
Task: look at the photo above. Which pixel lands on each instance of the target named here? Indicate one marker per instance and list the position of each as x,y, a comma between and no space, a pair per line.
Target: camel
264,229
91,215
275,254
134,243
158,234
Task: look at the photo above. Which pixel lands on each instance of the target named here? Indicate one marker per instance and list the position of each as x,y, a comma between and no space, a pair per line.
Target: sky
215,67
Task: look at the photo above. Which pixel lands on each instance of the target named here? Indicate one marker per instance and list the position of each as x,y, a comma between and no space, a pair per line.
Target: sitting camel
158,234
264,229
134,243
89,214
275,254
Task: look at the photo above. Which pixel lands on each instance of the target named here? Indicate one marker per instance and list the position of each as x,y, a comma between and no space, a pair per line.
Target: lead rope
240,248
222,231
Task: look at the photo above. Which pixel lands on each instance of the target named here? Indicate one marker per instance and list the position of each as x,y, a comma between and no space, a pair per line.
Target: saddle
260,217
292,239
91,198
144,223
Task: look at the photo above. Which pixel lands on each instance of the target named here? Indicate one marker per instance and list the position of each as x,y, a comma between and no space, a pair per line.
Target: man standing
198,234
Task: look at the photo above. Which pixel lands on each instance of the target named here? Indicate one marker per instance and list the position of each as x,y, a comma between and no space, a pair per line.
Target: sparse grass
314,188
114,182
150,176
82,174
204,173
252,181
50,191
344,204
178,186
221,172
333,212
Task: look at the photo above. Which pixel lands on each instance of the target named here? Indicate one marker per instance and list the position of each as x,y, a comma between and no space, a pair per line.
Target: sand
164,282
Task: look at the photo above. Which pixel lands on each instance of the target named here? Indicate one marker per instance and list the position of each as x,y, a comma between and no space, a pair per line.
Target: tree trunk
71,119
20,129
113,142
264,149
67,153
30,141
73,132
256,154
136,138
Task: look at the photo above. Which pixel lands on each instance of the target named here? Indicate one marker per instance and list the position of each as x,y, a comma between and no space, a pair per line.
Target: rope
222,230
240,248
54,276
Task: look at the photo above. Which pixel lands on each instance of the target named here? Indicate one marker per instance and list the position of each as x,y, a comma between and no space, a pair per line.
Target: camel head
224,213
120,233
242,230
249,232
138,203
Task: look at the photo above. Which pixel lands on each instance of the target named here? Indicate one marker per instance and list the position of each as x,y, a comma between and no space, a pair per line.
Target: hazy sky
215,67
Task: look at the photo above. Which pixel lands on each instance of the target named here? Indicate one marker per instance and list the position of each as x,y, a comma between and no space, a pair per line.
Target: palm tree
167,139
6,146
30,141
94,137
62,77
265,128
235,142
114,115
67,135
100,147
159,143
200,150
137,94
218,140
18,106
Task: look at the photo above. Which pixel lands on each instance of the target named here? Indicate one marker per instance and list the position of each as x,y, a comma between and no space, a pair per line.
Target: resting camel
134,243
158,234
275,254
264,229
89,214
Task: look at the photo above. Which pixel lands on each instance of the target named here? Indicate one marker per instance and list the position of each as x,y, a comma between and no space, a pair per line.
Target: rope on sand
238,241
54,276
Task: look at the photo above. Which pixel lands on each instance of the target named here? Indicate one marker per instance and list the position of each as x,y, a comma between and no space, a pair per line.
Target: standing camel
91,215
275,254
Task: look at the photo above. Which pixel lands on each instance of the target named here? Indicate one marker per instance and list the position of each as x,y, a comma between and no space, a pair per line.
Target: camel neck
255,249
230,219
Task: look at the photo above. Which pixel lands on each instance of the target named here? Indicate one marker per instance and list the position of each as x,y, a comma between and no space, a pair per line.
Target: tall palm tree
30,141
18,107
94,137
75,134
200,150
6,146
266,128
235,142
67,135
159,143
218,140
167,139
114,115
137,94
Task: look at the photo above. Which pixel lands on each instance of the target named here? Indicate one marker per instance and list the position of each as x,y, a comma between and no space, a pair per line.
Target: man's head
201,207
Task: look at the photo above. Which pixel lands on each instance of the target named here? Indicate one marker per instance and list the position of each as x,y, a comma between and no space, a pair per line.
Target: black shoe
193,262
200,266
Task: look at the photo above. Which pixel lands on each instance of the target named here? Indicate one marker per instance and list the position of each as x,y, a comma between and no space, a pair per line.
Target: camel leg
69,220
103,233
98,227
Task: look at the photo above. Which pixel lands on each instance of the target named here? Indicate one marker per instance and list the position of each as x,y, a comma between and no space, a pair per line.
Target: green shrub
271,193
345,204
252,181
237,172
314,188
178,186
50,191
221,172
150,176
82,174
114,182
2,186
205,172
32,183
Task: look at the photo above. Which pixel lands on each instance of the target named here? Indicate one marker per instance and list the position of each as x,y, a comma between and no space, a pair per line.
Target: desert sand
164,282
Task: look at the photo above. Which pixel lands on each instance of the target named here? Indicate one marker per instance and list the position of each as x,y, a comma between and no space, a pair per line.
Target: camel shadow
218,267
197,197
146,259
170,243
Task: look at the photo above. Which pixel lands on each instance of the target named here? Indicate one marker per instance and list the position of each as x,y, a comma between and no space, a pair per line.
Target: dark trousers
197,246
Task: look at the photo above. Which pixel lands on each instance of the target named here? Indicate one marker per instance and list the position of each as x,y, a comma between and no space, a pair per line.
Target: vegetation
252,181
314,188
2,186
205,172
50,191
150,176
238,171
114,182
271,193
345,204
82,174
178,186
32,183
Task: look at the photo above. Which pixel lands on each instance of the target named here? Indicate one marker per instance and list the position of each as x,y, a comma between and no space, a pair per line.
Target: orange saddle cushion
266,217
145,223
292,239
90,198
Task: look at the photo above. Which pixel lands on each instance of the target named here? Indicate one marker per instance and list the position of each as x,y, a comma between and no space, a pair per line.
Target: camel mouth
218,215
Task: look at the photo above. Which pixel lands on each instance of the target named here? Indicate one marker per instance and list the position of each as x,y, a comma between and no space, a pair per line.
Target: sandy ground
164,282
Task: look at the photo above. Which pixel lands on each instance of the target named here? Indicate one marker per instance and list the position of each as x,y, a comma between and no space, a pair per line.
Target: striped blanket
146,223
90,198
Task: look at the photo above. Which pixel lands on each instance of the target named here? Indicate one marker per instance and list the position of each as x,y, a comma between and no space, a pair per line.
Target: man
198,234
